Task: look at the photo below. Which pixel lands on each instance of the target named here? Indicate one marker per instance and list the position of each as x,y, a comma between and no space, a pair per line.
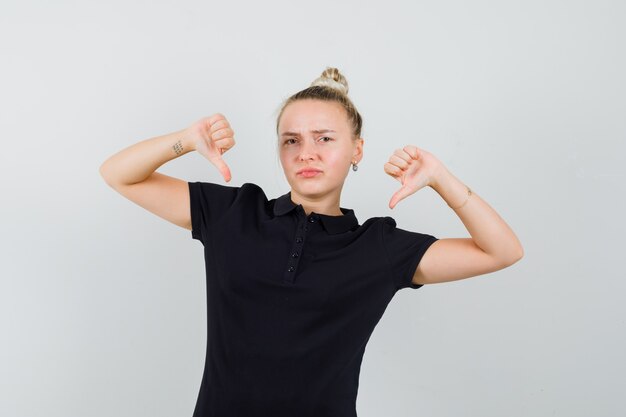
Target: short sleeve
208,202
404,250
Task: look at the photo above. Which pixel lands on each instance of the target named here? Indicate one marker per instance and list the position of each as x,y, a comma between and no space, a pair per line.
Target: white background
102,304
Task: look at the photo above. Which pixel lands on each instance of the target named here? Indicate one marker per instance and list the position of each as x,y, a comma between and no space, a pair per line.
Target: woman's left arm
493,245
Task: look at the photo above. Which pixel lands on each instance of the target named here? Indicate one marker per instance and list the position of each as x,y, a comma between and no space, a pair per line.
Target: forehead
305,115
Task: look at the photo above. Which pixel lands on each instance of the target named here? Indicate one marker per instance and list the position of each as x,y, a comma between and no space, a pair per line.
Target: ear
358,151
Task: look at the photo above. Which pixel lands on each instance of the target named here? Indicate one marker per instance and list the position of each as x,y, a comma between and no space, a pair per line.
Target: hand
212,137
415,168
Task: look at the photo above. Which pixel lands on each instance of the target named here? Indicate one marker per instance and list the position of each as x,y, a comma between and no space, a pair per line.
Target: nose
307,150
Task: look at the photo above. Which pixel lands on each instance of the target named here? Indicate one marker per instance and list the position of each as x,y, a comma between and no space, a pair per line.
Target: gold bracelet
469,194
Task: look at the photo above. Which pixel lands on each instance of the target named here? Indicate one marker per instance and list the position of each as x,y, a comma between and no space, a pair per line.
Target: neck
327,205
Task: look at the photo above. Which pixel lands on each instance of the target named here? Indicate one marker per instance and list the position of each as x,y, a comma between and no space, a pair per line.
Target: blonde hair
330,86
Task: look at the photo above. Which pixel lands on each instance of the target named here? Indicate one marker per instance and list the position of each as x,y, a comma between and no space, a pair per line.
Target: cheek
287,154
338,159
287,163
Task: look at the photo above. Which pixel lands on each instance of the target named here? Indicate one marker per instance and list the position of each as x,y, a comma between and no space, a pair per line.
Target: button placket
296,249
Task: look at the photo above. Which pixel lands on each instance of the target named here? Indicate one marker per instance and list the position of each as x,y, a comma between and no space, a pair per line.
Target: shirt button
311,219
294,255
298,239
290,269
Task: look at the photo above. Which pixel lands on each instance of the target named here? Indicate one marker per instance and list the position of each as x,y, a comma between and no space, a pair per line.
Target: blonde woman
296,284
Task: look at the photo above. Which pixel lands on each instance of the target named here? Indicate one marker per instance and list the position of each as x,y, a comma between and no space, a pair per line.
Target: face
316,135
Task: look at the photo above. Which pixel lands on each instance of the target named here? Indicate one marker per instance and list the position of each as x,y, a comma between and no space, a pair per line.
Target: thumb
222,167
399,195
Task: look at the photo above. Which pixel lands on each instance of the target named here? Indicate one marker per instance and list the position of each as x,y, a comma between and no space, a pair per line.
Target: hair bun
331,77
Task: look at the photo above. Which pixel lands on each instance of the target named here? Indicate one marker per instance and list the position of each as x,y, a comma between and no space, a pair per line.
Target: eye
287,141
326,137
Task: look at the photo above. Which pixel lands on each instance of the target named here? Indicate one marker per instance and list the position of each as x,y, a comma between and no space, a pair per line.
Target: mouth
308,173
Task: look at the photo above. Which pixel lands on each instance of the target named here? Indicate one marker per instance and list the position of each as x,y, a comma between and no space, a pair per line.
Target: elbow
105,175
507,260
518,256
516,251
520,252
102,172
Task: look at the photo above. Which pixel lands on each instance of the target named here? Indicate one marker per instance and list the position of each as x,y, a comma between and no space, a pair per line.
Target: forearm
137,162
488,230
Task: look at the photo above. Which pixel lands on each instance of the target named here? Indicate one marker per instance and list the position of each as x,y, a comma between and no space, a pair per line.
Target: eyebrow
312,131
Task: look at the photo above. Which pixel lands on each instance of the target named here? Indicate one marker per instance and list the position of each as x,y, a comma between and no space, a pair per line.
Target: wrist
187,142
440,178
454,192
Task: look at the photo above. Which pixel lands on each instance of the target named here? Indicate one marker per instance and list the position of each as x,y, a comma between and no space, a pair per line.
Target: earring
354,166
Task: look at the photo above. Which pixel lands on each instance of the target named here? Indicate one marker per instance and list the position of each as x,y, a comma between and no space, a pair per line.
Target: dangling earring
354,166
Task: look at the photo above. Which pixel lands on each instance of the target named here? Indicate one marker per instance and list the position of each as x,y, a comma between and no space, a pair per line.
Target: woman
295,285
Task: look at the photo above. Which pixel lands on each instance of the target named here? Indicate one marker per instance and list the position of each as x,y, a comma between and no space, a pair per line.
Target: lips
308,171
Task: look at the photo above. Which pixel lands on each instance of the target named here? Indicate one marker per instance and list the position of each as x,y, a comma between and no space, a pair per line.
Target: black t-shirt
291,300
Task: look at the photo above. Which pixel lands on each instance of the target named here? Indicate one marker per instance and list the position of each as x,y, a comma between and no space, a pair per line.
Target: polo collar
332,224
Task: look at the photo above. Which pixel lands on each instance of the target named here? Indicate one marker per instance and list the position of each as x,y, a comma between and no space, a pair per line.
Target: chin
304,187
313,190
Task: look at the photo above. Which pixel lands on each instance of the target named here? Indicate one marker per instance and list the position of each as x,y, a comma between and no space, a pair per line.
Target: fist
212,137
415,168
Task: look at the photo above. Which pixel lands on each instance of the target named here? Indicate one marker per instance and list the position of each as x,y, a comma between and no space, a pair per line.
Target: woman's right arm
132,171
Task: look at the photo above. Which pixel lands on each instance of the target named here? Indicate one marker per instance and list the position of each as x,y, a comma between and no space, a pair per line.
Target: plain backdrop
102,303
